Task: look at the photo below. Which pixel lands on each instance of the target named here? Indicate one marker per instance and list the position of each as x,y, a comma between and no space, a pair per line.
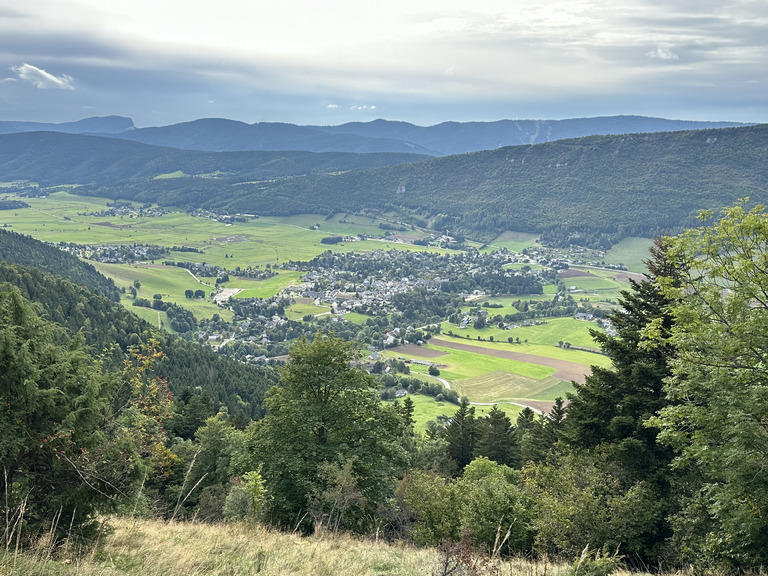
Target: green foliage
487,503
597,563
461,434
326,430
496,439
579,501
21,249
434,502
64,456
718,388
495,509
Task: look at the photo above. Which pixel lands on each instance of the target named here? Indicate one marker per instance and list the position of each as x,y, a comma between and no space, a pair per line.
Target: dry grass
157,548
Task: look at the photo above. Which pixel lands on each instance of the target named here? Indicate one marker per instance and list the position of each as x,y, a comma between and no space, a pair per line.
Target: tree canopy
328,447
718,391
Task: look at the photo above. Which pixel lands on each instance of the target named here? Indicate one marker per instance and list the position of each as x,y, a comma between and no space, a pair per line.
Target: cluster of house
117,253
372,295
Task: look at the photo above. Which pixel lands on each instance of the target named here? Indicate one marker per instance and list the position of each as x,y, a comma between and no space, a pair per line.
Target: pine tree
62,454
614,404
496,439
461,434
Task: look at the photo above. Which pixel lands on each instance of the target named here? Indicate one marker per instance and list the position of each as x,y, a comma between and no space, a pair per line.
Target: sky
328,62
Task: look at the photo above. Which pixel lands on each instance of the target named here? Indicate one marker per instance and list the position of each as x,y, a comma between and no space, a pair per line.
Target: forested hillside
21,249
609,186
50,158
613,185
29,264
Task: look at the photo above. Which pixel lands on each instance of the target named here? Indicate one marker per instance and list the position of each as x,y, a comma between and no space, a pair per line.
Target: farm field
515,241
631,252
61,217
553,331
532,374
263,288
486,371
168,281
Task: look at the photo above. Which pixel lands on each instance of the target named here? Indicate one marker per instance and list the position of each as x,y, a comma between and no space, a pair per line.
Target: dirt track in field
414,350
565,370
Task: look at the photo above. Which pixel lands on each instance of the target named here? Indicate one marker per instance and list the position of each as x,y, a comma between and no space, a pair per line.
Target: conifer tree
62,456
461,434
496,440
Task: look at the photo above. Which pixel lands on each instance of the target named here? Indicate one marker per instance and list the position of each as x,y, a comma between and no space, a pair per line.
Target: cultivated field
479,363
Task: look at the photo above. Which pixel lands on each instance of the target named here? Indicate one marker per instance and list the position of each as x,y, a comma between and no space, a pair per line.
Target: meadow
631,252
261,241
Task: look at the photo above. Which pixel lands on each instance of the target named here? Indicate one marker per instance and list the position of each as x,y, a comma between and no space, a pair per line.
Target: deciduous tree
323,422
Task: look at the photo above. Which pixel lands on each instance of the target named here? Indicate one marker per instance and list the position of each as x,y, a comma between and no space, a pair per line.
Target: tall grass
158,548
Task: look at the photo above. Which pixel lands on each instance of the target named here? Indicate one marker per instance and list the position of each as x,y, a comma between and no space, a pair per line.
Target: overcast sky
422,61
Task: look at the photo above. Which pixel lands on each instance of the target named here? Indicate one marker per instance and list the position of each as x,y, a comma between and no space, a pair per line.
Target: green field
276,240
515,241
168,281
264,288
267,240
299,310
556,329
631,252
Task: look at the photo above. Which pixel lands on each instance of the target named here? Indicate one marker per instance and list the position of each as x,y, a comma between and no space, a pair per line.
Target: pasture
515,241
631,252
549,333
485,371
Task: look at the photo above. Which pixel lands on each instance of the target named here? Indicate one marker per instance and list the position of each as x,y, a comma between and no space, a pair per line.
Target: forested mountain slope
636,184
56,158
21,249
101,323
640,184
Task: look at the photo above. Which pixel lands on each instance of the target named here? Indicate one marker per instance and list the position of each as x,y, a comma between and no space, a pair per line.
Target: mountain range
221,135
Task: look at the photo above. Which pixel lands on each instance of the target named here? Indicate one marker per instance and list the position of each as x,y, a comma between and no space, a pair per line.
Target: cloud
42,79
332,106
662,54
363,107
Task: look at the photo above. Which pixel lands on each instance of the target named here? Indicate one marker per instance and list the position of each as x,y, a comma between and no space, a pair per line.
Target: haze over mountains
221,135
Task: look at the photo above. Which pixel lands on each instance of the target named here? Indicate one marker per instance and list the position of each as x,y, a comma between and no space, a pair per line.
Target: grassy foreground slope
157,548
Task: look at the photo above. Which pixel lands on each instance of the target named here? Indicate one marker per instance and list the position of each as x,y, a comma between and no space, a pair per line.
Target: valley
493,346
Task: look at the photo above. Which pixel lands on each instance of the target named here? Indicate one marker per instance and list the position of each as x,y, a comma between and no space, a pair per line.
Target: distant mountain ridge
460,137
93,125
222,135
